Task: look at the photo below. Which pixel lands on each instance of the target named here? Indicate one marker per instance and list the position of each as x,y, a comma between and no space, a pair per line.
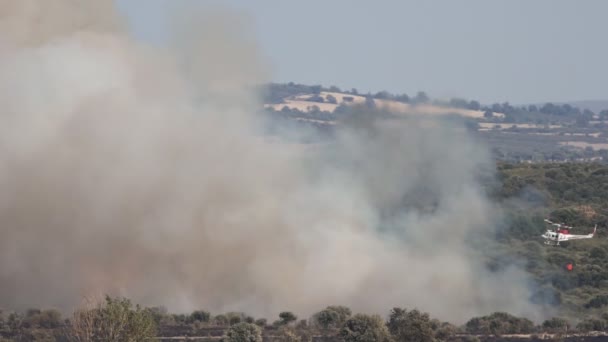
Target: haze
139,171
492,51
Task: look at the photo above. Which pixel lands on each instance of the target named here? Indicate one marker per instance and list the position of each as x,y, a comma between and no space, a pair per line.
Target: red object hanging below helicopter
569,267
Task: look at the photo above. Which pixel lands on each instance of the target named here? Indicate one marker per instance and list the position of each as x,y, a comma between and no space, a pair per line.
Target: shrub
243,332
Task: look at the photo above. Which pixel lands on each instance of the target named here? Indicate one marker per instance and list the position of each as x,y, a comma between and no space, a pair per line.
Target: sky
519,51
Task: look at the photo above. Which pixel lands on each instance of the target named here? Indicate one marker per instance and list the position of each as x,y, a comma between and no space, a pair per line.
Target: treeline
560,185
277,92
572,193
117,319
547,113
346,114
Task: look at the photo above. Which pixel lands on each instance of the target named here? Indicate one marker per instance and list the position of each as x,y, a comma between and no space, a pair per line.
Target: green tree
316,89
243,332
410,326
46,319
288,334
597,253
459,103
556,325
235,317
403,98
421,97
115,320
160,314
262,322
326,319
287,317
591,325
499,323
332,317
365,328
444,331
597,302
221,320
474,105
383,95
200,316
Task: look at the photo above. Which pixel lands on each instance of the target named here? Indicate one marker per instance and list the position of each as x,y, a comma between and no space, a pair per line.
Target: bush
499,323
243,332
221,320
289,335
591,325
200,316
365,328
234,319
327,319
332,317
410,326
262,322
287,317
597,302
556,325
47,319
115,320
597,253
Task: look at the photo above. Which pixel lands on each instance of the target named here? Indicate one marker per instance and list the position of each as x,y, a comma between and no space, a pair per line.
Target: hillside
547,132
329,101
576,194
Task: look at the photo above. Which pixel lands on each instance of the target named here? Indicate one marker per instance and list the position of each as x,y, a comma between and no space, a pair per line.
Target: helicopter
562,233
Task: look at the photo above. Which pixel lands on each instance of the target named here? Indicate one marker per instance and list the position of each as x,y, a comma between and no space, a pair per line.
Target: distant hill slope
329,101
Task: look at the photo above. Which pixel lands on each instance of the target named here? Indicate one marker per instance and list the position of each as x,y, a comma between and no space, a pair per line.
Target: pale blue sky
519,51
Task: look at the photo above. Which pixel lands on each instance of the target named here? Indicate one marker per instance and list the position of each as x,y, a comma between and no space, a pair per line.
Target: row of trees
114,319
277,92
117,319
538,114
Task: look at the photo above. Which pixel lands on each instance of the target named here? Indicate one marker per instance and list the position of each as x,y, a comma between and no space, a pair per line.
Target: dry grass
303,106
301,103
340,97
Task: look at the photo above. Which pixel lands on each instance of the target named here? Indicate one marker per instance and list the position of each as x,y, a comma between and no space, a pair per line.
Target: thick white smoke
137,171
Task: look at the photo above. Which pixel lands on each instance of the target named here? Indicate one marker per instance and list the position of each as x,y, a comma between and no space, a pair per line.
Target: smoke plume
140,171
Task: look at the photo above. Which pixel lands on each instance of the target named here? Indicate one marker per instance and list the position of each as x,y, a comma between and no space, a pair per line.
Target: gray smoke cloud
139,171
